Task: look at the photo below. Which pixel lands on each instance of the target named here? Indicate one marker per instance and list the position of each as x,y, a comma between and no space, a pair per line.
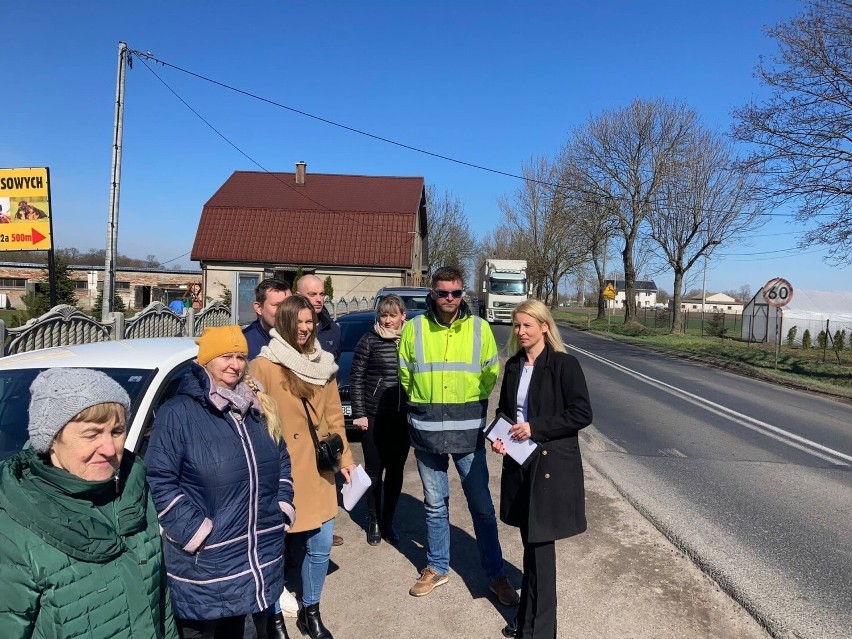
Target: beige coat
315,493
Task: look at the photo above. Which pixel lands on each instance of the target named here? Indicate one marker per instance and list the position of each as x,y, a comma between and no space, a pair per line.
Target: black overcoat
546,499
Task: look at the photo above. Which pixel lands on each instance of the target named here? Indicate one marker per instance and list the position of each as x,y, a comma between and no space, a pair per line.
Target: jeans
473,473
310,551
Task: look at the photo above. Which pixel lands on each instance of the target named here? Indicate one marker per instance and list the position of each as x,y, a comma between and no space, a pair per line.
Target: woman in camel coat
299,376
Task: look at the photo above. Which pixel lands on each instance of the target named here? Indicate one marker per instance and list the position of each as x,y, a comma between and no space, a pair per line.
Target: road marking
671,452
597,442
779,434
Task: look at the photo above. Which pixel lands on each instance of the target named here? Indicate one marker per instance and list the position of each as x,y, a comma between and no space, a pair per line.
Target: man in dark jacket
267,298
328,331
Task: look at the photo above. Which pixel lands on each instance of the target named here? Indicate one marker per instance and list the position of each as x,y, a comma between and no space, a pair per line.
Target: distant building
715,303
137,287
365,232
646,294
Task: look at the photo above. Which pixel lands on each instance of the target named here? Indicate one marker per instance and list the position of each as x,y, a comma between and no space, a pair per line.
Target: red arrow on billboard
37,237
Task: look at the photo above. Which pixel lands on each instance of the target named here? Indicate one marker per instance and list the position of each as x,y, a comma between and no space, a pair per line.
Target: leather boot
275,628
309,623
389,533
374,535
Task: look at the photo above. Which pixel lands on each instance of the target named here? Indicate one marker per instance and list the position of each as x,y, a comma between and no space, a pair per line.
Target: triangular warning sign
37,237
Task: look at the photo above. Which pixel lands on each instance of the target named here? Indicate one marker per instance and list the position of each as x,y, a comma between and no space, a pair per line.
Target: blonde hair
269,406
540,313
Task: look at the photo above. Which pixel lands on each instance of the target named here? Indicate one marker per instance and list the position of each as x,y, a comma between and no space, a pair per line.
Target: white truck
503,285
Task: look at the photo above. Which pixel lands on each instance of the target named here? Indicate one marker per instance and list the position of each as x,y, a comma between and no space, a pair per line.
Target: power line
299,192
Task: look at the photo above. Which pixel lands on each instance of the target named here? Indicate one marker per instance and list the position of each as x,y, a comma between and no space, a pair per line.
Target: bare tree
541,220
803,131
701,204
624,157
450,239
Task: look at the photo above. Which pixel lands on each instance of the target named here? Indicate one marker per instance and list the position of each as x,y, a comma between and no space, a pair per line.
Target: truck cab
503,285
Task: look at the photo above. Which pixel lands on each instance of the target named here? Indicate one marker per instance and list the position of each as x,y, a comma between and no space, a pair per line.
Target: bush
791,336
806,339
716,325
839,340
821,338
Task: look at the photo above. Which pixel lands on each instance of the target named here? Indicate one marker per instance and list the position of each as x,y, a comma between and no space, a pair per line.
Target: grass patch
801,368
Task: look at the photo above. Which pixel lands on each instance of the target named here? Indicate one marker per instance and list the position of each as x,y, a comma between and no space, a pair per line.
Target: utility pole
115,186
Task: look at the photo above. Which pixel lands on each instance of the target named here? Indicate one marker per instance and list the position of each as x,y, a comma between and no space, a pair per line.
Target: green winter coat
77,559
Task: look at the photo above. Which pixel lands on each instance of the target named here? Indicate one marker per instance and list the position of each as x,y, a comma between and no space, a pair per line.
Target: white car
149,370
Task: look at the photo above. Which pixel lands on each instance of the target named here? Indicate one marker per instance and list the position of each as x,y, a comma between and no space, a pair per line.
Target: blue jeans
473,473
313,550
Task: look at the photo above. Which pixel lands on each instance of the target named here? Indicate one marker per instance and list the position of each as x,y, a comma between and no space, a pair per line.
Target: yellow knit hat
218,340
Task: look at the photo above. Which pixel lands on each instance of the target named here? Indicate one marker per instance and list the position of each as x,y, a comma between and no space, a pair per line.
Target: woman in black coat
378,409
544,392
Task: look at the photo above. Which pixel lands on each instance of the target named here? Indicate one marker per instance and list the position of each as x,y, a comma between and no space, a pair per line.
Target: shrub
821,338
839,340
716,325
791,336
806,339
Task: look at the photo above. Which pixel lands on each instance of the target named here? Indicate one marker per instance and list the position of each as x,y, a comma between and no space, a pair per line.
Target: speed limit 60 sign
778,292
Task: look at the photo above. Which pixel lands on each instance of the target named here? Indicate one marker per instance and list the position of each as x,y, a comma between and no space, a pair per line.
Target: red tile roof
350,220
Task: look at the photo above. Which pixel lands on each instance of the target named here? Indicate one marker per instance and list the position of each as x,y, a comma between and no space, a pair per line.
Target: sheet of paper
358,484
519,451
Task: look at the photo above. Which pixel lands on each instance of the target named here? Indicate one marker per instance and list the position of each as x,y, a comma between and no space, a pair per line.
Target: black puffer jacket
374,387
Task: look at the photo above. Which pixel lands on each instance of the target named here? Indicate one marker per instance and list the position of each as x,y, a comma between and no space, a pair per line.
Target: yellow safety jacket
448,373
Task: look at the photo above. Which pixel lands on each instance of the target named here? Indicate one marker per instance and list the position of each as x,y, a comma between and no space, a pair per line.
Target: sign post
609,294
777,292
26,220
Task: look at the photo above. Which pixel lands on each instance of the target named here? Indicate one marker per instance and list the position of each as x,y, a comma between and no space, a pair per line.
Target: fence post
2,338
117,325
189,323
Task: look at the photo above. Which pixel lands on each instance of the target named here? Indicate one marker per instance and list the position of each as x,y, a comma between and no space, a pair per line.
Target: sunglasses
457,293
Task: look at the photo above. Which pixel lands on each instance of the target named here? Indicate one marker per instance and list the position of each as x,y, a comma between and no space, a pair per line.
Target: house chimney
301,167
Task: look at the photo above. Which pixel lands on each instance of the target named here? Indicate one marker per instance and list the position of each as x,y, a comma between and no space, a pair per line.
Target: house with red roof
365,232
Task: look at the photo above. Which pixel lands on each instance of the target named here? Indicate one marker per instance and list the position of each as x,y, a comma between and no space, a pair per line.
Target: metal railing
65,326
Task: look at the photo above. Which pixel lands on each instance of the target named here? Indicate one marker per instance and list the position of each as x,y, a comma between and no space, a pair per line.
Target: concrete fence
65,326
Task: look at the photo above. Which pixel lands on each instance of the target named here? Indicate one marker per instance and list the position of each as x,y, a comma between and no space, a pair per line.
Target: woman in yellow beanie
219,474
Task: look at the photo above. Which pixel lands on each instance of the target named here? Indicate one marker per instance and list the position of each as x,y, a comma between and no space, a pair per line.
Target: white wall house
714,303
646,294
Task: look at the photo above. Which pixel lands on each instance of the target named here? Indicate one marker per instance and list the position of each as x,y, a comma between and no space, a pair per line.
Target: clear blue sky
492,83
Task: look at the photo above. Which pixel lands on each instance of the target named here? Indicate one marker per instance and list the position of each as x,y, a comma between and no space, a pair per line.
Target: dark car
353,326
414,297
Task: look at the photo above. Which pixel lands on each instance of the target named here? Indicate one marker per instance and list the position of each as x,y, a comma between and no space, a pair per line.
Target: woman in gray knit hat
80,552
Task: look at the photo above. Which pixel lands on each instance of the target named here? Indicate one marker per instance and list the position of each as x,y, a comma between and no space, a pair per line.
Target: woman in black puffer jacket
378,409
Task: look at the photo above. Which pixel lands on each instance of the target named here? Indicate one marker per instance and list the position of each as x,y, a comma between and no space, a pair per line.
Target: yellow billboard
25,210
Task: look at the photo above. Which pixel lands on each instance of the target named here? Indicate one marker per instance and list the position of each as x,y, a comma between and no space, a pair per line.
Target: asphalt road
751,480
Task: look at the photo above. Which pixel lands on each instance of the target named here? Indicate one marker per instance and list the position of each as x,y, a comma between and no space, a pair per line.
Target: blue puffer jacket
223,491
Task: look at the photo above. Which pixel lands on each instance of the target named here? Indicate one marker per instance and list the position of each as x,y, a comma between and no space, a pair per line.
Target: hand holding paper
359,482
520,451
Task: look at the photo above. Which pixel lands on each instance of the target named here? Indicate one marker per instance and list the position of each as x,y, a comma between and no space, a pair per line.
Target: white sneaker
289,605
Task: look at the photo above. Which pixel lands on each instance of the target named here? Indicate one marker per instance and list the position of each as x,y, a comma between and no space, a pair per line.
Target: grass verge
795,367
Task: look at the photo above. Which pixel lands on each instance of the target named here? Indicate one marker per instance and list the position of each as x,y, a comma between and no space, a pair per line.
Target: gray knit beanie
59,394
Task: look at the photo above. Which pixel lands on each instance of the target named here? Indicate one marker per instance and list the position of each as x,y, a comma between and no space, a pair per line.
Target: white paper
519,451
359,482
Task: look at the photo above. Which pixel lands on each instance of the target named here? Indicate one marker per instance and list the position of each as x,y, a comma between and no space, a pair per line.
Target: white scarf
315,367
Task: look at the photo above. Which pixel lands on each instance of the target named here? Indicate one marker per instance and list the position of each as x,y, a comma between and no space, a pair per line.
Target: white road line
779,434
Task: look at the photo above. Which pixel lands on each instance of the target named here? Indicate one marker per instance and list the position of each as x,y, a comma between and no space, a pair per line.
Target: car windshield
15,400
352,328
412,302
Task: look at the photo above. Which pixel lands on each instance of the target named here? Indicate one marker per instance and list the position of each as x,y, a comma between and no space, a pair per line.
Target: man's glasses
457,293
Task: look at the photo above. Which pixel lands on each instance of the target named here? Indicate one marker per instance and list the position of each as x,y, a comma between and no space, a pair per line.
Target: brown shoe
506,594
336,540
427,582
